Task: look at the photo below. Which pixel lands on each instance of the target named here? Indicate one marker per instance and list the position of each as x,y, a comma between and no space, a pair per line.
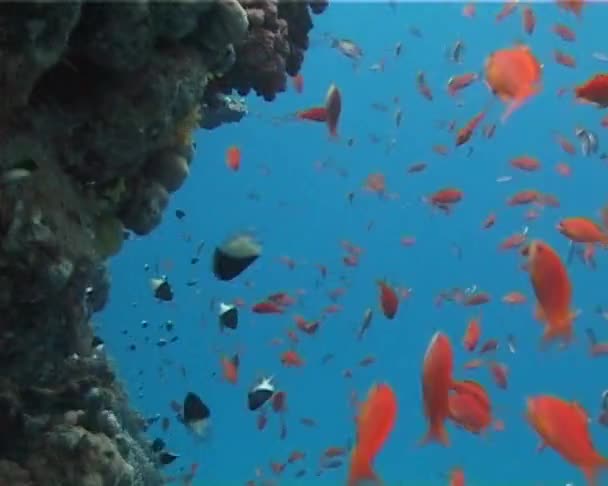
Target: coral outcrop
99,104
273,47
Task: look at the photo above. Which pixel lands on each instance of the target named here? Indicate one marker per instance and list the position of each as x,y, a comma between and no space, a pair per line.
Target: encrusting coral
99,103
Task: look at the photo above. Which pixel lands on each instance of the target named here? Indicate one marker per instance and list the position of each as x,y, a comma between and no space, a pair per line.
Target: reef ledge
99,104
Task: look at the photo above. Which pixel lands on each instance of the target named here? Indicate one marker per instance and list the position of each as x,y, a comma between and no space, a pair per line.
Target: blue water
303,213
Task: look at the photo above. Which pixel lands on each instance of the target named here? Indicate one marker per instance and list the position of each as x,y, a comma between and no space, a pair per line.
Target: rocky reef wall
99,103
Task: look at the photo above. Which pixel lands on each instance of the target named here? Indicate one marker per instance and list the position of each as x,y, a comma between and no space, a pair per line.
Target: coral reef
273,47
99,104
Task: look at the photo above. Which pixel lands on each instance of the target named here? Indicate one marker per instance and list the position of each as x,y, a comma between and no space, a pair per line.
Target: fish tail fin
436,433
562,330
511,107
518,101
361,470
590,474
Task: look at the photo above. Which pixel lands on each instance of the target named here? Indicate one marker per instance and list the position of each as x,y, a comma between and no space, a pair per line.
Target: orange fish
375,183
333,108
458,83
291,359
466,132
389,302
564,32
582,230
470,406
473,388
267,307
507,9
564,59
500,374
473,364
468,10
472,335
457,477
513,241
423,87
514,75
526,163
375,421
445,198
563,169
526,196
477,298
552,288
437,370
514,298
317,114
574,6
296,456
489,221
233,158
230,368
529,20
564,426
593,91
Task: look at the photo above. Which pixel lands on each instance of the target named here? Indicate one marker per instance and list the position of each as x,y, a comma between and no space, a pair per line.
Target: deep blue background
303,213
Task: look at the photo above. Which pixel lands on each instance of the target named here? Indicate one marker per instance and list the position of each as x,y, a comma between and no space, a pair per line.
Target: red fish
466,132
445,198
472,335
375,421
233,158
552,288
470,406
437,370
317,114
582,230
574,6
389,302
564,32
458,83
526,163
564,426
230,368
267,307
564,59
457,477
423,86
514,75
594,91
529,20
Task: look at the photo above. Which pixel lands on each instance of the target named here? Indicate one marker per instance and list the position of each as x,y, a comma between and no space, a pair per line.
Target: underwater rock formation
99,104
273,47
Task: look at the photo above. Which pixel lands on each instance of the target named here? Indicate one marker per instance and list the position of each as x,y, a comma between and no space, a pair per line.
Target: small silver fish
600,56
588,140
348,47
367,321
398,49
456,52
398,117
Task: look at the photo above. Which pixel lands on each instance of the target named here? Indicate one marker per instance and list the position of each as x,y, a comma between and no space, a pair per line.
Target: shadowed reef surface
99,103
